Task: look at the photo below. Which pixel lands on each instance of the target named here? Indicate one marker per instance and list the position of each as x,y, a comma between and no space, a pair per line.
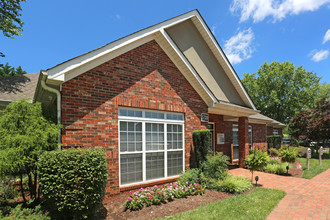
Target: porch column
243,139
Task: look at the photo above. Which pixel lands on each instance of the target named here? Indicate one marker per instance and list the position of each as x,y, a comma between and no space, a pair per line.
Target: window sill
149,183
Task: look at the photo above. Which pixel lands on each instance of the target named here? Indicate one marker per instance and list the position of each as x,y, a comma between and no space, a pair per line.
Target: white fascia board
59,71
224,58
192,70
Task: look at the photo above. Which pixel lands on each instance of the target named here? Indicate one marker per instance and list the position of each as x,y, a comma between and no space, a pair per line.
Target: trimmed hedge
274,141
202,141
73,182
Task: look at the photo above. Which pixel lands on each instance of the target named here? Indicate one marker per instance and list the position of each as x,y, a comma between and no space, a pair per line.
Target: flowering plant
161,194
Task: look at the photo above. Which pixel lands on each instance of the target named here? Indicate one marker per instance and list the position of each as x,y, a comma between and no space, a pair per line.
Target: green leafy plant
256,161
289,154
235,184
190,176
19,212
278,168
216,166
273,152
7,190
25,134
73,181
201,140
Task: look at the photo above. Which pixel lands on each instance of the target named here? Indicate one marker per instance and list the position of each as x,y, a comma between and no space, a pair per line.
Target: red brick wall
270,131
259,134
144,78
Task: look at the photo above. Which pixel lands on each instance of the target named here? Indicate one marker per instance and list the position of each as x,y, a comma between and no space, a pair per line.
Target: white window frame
275,131
144,152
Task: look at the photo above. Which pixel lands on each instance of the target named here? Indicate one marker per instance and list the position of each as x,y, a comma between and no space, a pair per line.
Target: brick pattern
243,139
143,78
270,131
305,198
259,134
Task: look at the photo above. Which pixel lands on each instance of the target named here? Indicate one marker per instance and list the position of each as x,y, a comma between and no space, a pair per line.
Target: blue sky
250,31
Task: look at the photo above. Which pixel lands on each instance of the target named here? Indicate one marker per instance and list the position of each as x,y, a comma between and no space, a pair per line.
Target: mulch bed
294,172
115,209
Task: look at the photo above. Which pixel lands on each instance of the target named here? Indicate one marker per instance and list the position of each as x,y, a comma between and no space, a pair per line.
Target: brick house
142,96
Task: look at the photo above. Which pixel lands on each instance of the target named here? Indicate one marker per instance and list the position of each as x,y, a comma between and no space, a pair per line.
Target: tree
280,90
25,134
7,70
10,22
313,124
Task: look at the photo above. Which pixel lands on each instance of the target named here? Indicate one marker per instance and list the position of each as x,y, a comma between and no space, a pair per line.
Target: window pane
174,163
130,140
235,153
174,117
155,115
130,168
155,165
130,113
154,136
174,136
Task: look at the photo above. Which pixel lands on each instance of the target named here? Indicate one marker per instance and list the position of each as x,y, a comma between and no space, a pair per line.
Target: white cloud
258,10
326,36
213,29
238,47
317,56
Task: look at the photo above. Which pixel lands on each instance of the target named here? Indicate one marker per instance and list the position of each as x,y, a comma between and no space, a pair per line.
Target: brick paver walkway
305,198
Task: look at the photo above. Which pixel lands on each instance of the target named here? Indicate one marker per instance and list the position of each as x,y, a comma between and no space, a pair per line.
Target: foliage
234,184
254,205
313,124
256,161
10,22
273,152
73,181
25,134
215,166
289,154
25,213
201,140
6,71
7,190
161,194
274,141
276,168
190,176
314,167
280,90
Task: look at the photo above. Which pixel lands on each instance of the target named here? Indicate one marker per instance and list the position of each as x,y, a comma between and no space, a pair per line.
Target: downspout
58,96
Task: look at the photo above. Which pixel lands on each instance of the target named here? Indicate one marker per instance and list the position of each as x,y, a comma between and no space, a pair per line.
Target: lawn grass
254,205
314,167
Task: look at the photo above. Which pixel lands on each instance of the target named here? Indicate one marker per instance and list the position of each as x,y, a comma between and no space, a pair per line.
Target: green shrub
7,190
235,184
289,154
25,213
73,182
275,160
274,141
256,161
277,168
189,177
201,140
215,166
273,152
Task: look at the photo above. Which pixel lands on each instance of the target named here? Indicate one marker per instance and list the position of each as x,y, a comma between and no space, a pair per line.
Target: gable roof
19,87
78,65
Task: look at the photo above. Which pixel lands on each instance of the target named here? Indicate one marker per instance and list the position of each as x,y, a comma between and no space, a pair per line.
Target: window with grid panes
151,145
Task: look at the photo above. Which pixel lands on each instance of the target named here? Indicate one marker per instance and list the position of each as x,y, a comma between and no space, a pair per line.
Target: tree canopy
313,124
25,134
10,22
280,90
6,71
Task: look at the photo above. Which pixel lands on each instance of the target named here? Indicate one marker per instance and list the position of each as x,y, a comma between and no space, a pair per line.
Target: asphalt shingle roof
18,87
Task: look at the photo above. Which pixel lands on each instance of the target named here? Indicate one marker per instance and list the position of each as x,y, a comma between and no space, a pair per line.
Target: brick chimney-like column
243,139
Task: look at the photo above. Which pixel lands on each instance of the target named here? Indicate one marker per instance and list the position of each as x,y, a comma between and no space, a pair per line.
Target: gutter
58,105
